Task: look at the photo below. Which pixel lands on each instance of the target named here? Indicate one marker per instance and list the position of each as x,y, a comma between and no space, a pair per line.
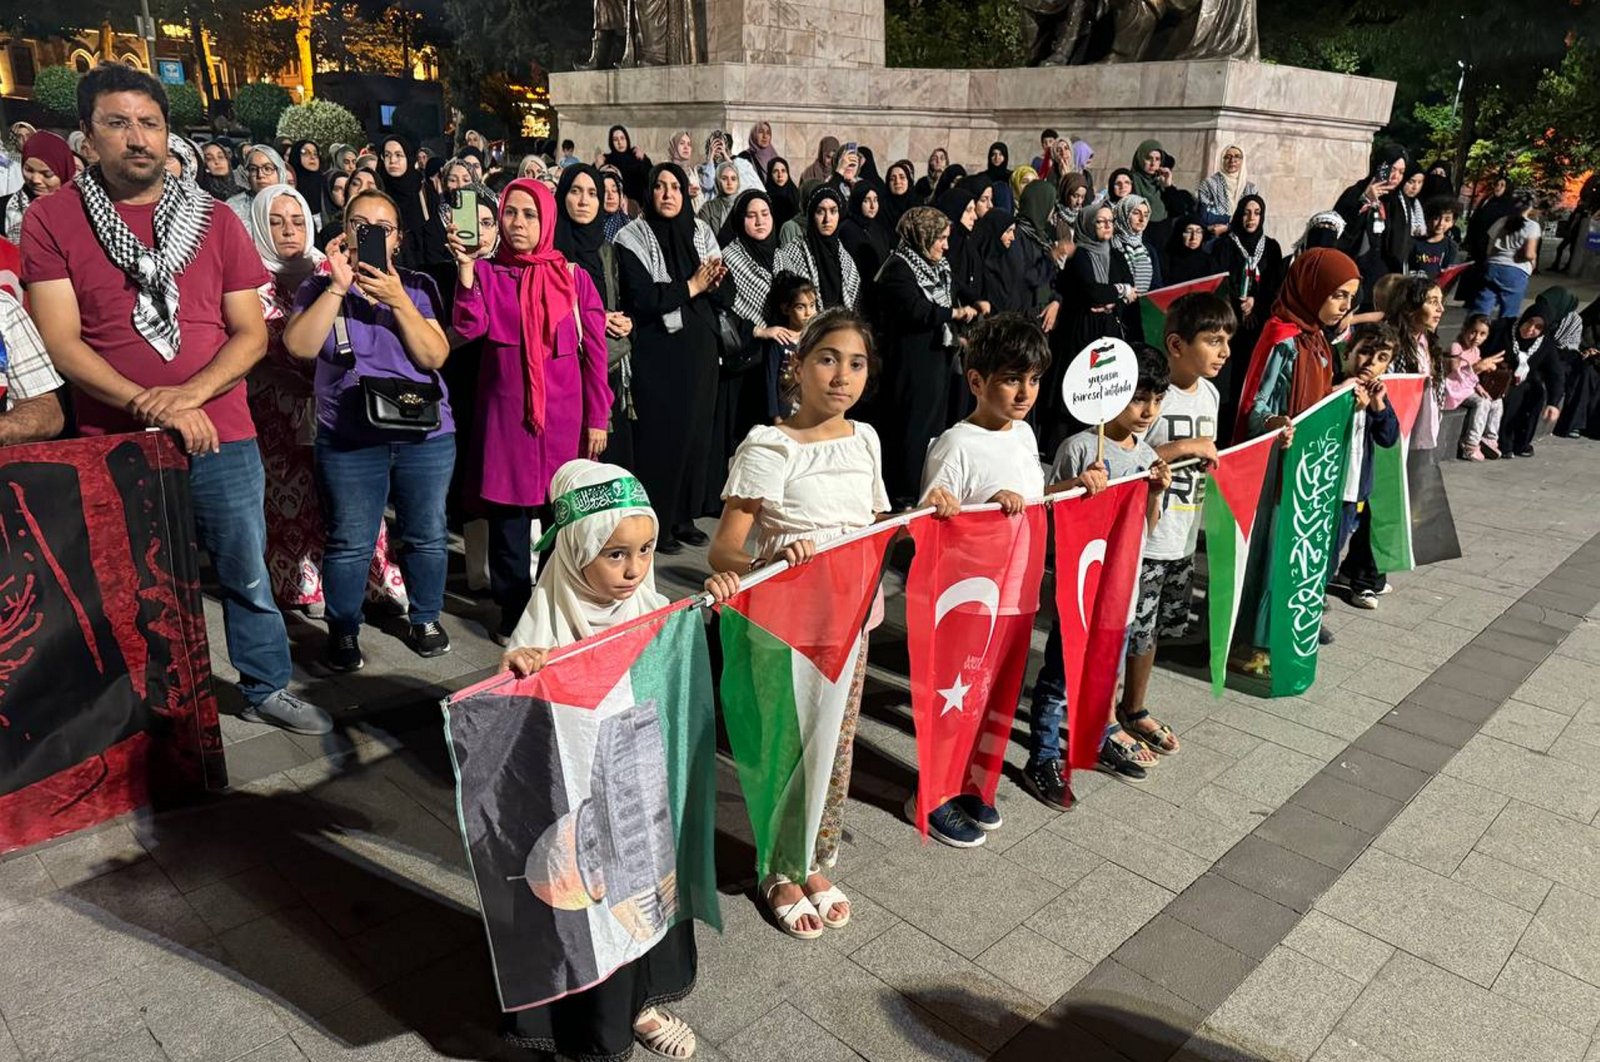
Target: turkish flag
970,601
1098,544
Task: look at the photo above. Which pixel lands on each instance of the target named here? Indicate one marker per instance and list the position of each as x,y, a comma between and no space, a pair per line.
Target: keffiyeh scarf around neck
639,238
182,219
933,278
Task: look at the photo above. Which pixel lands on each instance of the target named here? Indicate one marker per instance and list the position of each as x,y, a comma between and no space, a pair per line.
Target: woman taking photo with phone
543,399
384,429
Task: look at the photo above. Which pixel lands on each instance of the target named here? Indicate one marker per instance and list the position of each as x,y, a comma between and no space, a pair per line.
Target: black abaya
917,378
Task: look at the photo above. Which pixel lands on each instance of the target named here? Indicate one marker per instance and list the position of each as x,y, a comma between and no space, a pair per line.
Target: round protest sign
1100,381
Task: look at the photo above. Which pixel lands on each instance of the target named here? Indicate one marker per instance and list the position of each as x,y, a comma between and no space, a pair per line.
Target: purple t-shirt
375,343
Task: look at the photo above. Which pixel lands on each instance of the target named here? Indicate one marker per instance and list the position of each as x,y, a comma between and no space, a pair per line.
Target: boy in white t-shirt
992,456
1198,329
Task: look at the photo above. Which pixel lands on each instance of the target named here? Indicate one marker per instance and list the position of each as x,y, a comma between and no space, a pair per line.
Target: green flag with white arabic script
1305,538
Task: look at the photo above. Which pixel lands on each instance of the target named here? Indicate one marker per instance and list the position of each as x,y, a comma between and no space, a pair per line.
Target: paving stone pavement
1404,864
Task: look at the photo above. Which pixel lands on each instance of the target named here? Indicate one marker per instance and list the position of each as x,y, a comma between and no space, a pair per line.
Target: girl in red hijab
1291,370
47,165
543,396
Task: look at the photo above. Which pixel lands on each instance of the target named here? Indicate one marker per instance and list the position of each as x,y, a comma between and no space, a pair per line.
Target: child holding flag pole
601,575
1198,330
816,477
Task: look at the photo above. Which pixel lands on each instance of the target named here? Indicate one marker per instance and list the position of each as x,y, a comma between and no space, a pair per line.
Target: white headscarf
288,272
563,609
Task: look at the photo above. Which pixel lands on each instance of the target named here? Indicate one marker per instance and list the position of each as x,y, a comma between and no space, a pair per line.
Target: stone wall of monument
808,33
1306,134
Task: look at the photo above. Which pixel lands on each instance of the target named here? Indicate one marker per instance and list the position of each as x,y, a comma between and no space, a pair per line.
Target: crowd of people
332,331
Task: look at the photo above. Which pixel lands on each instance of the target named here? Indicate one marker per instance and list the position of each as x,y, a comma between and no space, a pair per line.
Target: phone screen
464,216
371,247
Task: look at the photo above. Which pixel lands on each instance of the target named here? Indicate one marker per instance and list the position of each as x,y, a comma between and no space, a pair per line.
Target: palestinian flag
790,647
587,801
1390,500
1305,536
1153,305
1233,496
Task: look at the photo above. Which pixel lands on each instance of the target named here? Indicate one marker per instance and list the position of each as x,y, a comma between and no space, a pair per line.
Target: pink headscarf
545,292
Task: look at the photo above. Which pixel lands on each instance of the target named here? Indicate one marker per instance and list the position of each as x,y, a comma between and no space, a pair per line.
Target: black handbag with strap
392,403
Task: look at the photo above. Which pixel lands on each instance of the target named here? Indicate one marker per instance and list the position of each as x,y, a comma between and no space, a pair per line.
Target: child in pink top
1461,388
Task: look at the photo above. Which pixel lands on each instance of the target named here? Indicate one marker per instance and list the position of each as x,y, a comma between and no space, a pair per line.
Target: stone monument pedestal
1306,134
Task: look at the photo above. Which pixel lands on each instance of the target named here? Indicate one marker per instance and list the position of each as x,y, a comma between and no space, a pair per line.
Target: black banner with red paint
105,678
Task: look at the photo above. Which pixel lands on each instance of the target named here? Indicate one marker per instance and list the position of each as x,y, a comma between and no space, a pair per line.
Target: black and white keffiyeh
751,282
797,258
933,278
183,216
638,238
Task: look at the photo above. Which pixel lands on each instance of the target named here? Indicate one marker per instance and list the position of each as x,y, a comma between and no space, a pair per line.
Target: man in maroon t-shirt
146,298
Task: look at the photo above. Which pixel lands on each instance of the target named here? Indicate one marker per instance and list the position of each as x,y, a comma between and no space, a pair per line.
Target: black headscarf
868,170
637,176
581,243
1111,197
403,189
1250,240
953,204
330,209
307,182
1001,172
825,249
785,199
422,229
869,240
947,181
1181,264
895,206
765,252
1002,265
675,235
1437,184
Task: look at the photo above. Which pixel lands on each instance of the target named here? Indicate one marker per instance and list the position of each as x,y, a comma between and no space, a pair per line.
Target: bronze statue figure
1077,32
643,33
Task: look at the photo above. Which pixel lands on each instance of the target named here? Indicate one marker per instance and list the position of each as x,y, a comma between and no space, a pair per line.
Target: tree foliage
953,34
55,88
185,106
322,121
512,40
259,105
1519,99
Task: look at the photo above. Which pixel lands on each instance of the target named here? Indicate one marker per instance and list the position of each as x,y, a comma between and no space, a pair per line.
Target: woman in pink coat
543,398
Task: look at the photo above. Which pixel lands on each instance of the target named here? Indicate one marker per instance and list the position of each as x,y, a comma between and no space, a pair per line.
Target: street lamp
1459,85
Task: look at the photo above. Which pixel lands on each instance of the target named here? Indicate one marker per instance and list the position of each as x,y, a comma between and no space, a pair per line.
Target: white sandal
789,914
671,1038
825,901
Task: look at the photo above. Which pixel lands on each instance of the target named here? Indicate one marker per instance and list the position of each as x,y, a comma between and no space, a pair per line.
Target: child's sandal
789,914
671,1038
1162,741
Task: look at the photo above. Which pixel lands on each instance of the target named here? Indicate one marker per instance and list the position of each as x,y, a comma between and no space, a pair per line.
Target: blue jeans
355,482
228,491
1049,702
1503,289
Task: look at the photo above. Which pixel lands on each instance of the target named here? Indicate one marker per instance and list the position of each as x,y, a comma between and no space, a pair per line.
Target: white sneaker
1364,599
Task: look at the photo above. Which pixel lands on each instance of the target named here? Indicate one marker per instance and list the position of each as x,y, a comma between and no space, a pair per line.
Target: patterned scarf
932,277
183,217
1131,243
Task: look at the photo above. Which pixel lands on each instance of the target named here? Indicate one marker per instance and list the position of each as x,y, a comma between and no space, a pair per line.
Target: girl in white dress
791,487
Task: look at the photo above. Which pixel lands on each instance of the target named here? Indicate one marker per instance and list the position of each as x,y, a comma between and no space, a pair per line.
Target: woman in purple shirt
364,322
543,396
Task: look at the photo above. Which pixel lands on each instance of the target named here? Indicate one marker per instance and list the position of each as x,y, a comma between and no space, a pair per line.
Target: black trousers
510,555
1359,566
